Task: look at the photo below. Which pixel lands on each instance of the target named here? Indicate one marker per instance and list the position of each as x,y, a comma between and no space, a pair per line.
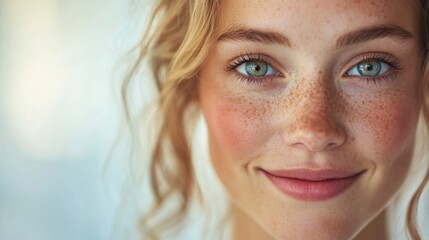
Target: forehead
313,19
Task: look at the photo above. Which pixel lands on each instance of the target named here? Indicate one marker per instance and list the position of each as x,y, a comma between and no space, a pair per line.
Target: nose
314,123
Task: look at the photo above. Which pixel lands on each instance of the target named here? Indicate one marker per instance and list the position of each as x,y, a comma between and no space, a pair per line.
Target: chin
319,232
327,227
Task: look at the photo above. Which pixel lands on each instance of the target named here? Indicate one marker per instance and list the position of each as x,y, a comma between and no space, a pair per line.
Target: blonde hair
179,35
176,46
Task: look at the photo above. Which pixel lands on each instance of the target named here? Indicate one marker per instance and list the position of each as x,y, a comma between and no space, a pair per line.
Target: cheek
386,128
384,131
238,126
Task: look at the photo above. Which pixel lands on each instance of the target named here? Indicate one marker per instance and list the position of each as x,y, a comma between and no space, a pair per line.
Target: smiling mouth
312,185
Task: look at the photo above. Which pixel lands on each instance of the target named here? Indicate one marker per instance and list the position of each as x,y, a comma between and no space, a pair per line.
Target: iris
256,69
370,68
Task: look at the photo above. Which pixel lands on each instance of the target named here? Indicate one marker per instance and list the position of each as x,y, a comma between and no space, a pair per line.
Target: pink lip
312,185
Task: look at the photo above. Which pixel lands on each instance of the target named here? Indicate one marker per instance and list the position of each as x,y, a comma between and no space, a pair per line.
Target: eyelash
251,58
380,57
394,65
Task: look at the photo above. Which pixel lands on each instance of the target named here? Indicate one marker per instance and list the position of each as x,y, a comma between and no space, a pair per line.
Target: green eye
369,68
256,69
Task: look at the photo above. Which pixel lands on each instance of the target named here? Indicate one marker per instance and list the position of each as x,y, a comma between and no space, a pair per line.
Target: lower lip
312,190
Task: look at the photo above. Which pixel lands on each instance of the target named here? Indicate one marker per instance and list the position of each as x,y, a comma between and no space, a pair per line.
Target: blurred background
61,63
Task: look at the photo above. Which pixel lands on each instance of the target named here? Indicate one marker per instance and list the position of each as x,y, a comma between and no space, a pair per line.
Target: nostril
332,145
316,137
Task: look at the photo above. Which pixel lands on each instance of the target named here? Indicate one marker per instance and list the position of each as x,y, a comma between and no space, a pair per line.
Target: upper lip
313,174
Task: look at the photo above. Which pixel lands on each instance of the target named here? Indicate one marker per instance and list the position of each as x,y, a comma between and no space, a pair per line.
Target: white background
61,63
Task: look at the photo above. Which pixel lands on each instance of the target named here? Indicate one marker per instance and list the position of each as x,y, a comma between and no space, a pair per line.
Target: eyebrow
355,37
373,32
253,35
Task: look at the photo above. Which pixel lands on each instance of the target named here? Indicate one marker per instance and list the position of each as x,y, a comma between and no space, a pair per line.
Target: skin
312,115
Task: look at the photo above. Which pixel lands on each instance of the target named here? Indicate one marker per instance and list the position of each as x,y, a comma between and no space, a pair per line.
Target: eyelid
384,68
250,57
270,81
389,59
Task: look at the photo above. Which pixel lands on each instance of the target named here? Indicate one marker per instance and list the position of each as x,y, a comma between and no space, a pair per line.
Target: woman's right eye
256,69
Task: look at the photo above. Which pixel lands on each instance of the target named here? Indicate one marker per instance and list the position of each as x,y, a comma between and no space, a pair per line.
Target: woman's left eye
369,68
256,69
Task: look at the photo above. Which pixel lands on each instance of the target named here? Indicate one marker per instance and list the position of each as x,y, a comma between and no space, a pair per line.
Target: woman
311,109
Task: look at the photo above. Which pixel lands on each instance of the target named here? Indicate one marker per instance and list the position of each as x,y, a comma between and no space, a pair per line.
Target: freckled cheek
239,129
388,128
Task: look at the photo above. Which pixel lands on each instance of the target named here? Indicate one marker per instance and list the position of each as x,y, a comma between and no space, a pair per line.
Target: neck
376,229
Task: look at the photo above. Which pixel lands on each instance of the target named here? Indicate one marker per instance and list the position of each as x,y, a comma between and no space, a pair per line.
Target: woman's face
311,109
